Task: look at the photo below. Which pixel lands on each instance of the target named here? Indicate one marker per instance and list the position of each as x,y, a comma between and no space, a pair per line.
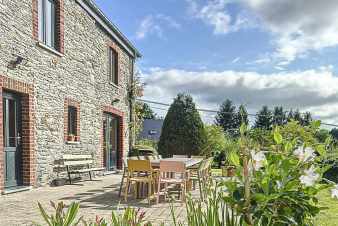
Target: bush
278,176
129,217
141,150
183,130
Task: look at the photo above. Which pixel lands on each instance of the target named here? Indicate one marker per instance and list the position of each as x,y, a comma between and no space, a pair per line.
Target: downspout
131,105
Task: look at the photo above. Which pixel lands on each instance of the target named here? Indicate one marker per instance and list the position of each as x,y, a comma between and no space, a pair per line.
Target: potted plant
231,150
71,137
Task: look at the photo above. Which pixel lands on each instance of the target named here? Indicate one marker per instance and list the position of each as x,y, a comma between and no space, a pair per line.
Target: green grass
328,217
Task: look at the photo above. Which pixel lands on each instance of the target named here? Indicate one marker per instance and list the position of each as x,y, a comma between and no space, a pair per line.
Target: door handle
18,139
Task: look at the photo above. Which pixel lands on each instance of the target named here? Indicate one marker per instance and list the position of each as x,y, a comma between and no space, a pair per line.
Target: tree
297,116
307,119
226,117
322,135
264,118
334,133
290,116
147,112
303,119
183,130
279,117
215,140
242,116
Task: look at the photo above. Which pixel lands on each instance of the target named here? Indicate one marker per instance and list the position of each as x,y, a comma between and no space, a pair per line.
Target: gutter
93,10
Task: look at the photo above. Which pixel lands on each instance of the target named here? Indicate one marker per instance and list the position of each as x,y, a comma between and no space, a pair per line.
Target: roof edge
112,29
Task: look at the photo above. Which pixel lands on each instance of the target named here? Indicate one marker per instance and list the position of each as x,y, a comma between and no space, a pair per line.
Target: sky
254,52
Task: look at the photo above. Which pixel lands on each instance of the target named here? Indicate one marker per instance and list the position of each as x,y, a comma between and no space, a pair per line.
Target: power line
215,111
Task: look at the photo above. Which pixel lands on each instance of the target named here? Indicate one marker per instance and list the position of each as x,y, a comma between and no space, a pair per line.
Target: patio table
189,162
155,163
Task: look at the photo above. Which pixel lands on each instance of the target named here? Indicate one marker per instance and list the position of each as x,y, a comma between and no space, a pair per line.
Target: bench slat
77,163
71,157
86,170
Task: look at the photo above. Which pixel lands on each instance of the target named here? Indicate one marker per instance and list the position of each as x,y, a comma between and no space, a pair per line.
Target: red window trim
71,103
112,46
59,23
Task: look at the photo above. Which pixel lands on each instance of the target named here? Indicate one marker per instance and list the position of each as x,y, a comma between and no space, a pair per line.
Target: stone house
65,78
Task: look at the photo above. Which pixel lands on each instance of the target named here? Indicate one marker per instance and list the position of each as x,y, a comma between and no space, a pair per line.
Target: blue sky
280,52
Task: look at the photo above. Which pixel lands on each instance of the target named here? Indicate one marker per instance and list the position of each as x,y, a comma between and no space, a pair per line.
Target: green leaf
277,136
316,123
44,214
234,158
321,150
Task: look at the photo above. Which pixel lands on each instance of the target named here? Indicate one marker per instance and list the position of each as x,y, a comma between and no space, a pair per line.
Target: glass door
12,140
110,129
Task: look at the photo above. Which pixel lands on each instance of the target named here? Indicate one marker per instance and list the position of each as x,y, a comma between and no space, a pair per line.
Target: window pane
40,11
113,66
72,114
50,23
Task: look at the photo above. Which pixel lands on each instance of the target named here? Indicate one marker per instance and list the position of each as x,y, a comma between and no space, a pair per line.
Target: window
113,66
72,121
47,22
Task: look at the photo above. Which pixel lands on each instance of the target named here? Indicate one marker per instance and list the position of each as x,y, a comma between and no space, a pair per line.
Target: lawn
328,217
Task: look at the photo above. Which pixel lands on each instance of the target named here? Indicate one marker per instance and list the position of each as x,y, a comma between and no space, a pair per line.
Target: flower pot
71,138
230,171
58,182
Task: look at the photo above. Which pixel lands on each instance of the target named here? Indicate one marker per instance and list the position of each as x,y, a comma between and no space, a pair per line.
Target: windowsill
40,44
115,85
73,142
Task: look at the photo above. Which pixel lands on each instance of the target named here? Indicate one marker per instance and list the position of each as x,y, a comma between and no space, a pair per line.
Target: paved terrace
97,197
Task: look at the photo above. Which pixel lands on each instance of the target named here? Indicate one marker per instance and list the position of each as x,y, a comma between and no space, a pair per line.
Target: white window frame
47,34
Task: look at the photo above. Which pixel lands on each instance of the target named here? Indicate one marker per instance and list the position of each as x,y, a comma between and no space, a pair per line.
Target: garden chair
140,171
125,173
180,156
150,157
172,173
197,176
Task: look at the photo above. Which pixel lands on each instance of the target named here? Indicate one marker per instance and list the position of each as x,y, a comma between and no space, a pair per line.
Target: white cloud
215,14
154,25
314,90
299,26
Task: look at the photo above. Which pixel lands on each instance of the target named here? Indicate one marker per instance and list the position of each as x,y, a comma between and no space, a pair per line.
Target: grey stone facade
80,74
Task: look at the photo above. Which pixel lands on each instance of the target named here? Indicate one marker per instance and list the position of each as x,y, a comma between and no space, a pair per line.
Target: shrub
129,217
277,183
213,212
183,130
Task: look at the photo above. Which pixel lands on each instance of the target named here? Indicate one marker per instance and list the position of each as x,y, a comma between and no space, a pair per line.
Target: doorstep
16,189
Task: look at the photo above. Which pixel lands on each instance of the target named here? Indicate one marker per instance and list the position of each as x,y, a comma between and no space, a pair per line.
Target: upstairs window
113,66
47,22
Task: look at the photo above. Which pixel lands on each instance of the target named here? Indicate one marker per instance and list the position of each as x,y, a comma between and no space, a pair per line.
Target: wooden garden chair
172,172
140,171
125,174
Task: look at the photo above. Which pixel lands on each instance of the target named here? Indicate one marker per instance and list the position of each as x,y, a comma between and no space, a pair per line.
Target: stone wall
81,74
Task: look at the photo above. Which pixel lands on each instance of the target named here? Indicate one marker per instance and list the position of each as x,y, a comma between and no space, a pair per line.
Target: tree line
230,118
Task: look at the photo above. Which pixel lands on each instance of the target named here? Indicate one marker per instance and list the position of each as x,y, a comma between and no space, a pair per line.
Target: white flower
334,192
310,177
279,184
305,154
258,159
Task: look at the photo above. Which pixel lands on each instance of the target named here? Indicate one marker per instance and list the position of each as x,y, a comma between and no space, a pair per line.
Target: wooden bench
79,164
